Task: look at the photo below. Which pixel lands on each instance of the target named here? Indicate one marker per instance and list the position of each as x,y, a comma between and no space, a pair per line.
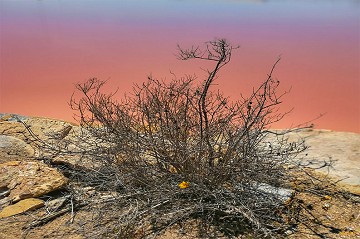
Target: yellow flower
184,184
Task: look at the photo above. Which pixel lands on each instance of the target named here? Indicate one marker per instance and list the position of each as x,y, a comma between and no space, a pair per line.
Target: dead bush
181,151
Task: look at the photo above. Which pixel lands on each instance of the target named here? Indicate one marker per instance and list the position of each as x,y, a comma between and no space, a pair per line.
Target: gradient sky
48,46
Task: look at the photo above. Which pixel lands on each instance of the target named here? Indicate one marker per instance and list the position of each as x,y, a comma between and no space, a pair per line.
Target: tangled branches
182,151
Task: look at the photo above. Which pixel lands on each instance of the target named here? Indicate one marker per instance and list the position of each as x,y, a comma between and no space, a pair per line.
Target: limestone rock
16,140
21,206
341,147
29,179
49,128
11,147
11,117
283,194
10,126
344,149
43,128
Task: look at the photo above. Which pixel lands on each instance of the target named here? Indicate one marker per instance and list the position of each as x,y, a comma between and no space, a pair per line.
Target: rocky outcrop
28,179
43,128
21,136
23,176
342,148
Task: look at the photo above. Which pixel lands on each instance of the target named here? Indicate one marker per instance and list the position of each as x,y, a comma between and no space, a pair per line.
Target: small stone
55,204
21,206
283,194
349,229
326,206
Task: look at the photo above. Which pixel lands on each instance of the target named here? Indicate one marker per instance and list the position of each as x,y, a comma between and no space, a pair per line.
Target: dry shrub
182,151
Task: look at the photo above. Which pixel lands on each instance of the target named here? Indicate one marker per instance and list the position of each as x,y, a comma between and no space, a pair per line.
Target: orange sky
48,46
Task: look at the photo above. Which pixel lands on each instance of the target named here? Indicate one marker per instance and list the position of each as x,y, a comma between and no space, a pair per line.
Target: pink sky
48,46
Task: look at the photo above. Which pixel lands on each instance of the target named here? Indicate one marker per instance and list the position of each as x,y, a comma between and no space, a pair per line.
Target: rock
55,204
12,128
343,148
43,128
11,147
29,179
49,128
16,140
12,117
326,206
283,194
21,206
349,229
